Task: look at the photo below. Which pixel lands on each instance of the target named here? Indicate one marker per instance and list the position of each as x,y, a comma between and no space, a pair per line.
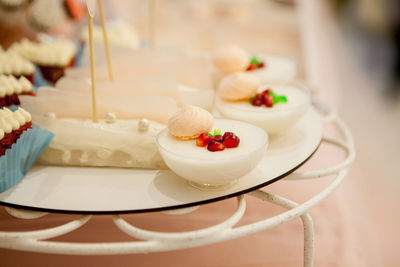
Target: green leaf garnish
216,132
255,61
282,98
278,98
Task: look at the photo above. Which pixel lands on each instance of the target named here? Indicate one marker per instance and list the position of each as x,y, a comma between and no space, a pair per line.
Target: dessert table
140,240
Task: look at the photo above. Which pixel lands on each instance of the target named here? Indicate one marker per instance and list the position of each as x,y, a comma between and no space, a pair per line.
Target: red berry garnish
214,146
257,101
261,65
251,67
203,139
266,92
217,138
268,101
231,141
226,134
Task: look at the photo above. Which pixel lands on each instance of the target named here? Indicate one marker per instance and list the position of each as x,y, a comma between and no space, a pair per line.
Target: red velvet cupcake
11,88
52,58
11,63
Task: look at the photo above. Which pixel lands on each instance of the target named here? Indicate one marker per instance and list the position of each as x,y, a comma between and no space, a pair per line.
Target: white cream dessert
276,69
201,166
273,119
231,59
109,143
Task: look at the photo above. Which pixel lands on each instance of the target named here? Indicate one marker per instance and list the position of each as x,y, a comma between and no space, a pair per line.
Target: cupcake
11,63
12,5
11,88
118,32
21,144
52,58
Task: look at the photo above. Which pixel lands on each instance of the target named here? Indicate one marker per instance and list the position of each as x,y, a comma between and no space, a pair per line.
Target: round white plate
112,191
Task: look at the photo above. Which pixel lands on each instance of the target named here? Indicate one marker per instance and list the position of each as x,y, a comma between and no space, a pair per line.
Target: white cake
108,143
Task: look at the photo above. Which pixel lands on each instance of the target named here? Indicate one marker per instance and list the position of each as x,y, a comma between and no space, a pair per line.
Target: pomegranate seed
226,134
203,139
251,67
217,138
268,101
214,146
257,101
231,141
266,92
261,65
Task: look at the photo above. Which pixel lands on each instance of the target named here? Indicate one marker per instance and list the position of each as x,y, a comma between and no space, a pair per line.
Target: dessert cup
210,170
276,69
273,120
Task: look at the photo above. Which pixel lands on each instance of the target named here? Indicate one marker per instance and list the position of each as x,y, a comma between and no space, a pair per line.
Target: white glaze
85,143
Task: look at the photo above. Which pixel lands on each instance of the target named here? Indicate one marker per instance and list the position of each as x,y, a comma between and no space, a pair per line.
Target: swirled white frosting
10,85
118,33
190,122
231,59
13,3
238,86
13,63
57,53
10,121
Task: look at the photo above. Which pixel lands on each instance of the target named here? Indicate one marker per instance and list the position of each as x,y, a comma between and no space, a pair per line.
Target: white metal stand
152,241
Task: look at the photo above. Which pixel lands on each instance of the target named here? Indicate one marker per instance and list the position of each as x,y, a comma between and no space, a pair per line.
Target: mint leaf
255,61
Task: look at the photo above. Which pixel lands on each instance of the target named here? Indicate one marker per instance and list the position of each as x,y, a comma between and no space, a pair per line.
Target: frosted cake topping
10,85
57,53
118,33
10,120
238,86
231,59
13,63
190,122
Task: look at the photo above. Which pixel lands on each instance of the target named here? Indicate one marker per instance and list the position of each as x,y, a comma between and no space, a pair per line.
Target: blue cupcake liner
20,158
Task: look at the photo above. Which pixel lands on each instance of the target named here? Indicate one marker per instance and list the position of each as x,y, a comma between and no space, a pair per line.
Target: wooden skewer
105,37
92,68
152,6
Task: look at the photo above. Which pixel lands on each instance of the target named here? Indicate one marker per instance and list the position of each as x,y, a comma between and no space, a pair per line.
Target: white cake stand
90,191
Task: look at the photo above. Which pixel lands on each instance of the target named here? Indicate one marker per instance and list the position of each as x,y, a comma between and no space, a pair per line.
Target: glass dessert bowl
275,118
206,169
